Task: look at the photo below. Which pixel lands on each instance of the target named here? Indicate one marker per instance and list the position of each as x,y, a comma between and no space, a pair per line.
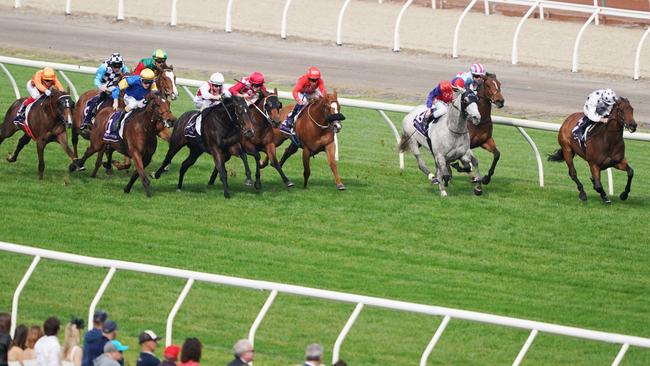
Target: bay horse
47,119
139,142
447,139
222,128
315,128
604,148
265,117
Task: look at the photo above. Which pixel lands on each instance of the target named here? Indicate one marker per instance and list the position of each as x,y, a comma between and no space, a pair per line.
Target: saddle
422,125
115,126
582,131
193,129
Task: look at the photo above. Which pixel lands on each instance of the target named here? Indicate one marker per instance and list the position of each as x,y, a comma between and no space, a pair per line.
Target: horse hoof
178,190
435,181
623,196
289,184
443,194
478,191
248,182
258,185
607,201
72,167
456,166
582,196
166,168
340,187
11,158
154,175
475,180
81,168
226,195
486,179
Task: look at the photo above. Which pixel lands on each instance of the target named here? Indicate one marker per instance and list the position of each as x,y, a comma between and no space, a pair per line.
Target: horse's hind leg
139,167
598,186
270,156
213,176
173,150
623,165
442,173
40,148
187,163
258,175
568,158
470,158
290,150
62,139
219,163
490,146
24,140
306,170
331,150
424,168
244,158
98,162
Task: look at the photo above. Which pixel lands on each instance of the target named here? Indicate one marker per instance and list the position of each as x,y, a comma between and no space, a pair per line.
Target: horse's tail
556,156
403,142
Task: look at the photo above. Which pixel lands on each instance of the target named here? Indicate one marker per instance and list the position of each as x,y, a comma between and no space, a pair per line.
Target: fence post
597,20
98,296
397,23
70,84
515,39
12,80
434,340
454,52
172,313
19,289
17,4
524,349
344,332
620,355
574,68
340,21
638,54
229,17
174,14
120,9
283,26
486,6
260,317
68,7
540,167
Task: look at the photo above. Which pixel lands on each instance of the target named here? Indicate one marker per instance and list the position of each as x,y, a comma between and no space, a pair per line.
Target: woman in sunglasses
310,86
249,87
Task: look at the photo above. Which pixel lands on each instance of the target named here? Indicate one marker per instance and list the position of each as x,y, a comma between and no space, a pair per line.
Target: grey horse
449,139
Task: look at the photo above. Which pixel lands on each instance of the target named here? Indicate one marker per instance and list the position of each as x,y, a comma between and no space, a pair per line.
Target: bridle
264,111
329,124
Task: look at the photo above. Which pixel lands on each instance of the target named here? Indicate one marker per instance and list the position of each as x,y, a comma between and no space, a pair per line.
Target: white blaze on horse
447,139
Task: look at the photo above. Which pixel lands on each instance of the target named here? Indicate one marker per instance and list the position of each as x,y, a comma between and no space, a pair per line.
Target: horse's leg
423,166
75,142
125,166
219,163
139,167
290,150
442,174
330,150
568,158
598,186
173,150
490,146
213,176
306,170
98,162
244,158
258,175
187,163
40,148
266,160
24,140
62,139
623,165
271,156
470,158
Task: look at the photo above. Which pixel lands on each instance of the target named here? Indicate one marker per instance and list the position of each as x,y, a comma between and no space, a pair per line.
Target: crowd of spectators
40,346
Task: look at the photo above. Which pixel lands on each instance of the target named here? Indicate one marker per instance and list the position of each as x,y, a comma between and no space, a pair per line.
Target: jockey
438,99
107,76
249,87
136,88
210,94
597,108
38,85
156,62
470,80
309,86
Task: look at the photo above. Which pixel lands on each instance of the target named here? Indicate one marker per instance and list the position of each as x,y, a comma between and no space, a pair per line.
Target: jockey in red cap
249,87
309,86
438,99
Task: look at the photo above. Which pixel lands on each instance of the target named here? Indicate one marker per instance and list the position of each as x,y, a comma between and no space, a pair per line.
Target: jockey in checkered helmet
597,108
108,74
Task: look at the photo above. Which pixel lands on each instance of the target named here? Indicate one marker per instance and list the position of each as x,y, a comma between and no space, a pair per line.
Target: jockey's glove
48,92
115,105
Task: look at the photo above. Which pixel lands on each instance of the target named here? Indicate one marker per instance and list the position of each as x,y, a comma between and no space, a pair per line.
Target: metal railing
380,107
279,288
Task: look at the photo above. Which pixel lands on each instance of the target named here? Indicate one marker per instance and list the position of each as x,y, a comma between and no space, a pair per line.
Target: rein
262,110
313,120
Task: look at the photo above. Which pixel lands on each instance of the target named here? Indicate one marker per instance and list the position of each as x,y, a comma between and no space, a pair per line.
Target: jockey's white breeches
132,103
202,104
440,108
32,90
307,97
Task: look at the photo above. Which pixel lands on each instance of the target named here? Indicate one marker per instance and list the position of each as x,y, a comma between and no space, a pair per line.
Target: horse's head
166,83
162,112
330,108
272,107
64,106
623,114
242,116
467,102
491,89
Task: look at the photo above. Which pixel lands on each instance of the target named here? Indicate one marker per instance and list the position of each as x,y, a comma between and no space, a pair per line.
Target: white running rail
380,107
360,301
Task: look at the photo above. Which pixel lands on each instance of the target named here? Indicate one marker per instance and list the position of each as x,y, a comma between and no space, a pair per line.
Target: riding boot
20,115
287,125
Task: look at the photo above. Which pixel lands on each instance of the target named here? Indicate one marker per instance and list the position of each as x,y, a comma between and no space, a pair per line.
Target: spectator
112,354
5,338
313,355
16,353
93,341
191,352
148,342
35,333
171,355
340,363
48,348
244,353
71,350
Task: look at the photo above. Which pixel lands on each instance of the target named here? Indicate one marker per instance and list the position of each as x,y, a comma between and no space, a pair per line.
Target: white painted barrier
359,300
380,107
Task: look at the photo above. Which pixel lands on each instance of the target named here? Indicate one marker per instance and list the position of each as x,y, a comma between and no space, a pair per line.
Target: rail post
397,23
19,290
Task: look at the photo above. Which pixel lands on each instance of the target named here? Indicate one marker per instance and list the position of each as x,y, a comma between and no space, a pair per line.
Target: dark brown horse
489,92
47,122
315,128
265,116
605,147
139,141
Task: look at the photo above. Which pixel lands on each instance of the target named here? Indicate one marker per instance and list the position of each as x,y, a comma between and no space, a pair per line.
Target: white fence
380,107
276,288
594,11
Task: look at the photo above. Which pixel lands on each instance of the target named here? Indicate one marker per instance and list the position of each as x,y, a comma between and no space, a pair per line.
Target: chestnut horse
47,122
604,148
139,141
315,128
489,92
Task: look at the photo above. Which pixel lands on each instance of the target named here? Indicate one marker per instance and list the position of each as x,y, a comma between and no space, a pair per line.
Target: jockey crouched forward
135,88
106,78
597,108
309,86
437,103
38,86
470,80
156,63
210,94
249,87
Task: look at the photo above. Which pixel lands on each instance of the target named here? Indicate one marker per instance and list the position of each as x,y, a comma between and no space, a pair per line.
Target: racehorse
222,128
489,92
265,116
448,139
604,148
166,83
315,128
139,142
46,123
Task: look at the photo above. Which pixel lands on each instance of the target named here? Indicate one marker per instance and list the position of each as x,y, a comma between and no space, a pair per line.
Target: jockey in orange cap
249,87
39,84
309,86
